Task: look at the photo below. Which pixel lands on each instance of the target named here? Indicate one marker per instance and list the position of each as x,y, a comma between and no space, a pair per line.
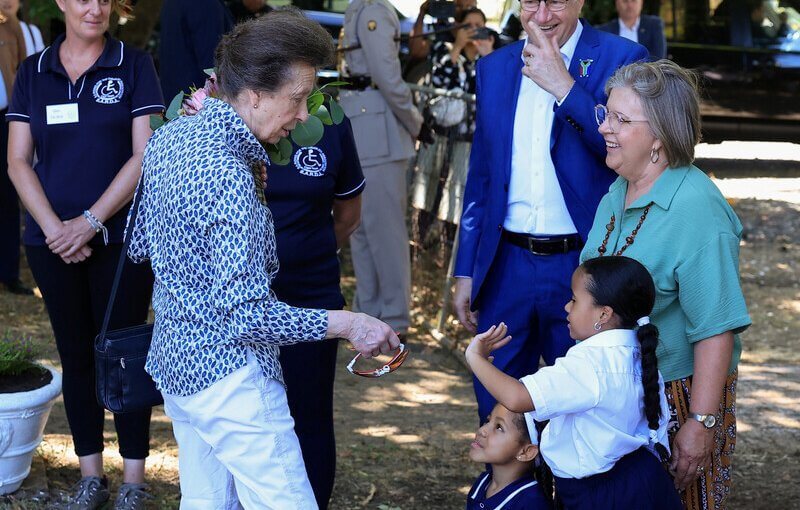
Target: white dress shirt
535,201
629,33
594,400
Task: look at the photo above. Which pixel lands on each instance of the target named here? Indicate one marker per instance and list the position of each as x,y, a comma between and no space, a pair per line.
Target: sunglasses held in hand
389,367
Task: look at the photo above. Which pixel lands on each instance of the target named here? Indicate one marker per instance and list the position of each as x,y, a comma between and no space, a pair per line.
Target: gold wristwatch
708,420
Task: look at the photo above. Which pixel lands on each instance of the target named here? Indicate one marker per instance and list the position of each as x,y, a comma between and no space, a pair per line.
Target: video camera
441,10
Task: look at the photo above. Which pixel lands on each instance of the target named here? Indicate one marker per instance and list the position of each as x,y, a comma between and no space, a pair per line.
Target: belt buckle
531,240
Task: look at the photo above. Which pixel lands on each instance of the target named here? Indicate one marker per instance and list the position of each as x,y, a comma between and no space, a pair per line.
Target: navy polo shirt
300,196
522,494
82,131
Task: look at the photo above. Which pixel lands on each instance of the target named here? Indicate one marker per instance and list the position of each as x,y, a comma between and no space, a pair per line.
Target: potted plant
27,392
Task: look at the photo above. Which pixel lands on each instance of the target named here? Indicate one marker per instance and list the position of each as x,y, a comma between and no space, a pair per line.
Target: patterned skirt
711,488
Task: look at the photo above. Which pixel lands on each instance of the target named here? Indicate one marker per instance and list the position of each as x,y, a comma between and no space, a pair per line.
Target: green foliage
40,12
156,121
174,106
599,11
281,152
309,132
17,354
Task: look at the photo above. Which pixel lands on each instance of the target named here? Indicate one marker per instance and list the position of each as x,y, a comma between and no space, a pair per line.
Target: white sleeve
569,386
38,42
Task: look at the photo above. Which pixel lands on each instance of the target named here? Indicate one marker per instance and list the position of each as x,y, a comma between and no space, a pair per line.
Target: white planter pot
22,419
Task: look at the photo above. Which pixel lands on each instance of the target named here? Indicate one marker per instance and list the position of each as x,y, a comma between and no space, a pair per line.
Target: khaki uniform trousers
380,248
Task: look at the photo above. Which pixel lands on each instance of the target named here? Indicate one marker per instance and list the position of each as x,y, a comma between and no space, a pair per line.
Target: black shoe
16,287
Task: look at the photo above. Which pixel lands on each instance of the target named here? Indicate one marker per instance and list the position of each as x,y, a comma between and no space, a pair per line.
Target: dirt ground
402,440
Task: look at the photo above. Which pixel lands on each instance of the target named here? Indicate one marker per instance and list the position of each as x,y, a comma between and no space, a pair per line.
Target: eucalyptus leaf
156,121
174,106
309,132
314,101
281,152
337,114
324,115
334,84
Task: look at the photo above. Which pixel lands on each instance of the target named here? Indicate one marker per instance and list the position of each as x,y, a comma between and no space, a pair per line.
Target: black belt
357,83
544,245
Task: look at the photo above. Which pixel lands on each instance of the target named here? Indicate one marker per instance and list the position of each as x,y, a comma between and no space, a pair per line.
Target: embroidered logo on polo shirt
310,161
108,90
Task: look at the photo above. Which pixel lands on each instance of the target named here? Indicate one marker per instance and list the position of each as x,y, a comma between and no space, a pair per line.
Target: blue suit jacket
577,149
651,34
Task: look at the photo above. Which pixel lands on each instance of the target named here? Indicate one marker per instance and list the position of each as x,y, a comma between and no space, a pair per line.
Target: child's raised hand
484,343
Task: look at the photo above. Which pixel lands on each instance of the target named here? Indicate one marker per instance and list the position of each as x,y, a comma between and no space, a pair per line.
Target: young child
604,399
509,443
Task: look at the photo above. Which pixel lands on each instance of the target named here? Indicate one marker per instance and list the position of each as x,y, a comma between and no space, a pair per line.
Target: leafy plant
304,134
310,132
17,354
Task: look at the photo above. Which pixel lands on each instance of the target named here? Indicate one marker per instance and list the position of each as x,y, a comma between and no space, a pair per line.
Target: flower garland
305,134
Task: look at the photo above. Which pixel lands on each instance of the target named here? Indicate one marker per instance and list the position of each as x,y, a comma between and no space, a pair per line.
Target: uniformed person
385,124
318,180
82,106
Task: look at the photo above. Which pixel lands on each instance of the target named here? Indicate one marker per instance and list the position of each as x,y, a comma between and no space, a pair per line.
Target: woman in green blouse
667,214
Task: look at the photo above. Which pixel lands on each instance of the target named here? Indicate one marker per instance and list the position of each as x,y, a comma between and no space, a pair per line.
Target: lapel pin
585,63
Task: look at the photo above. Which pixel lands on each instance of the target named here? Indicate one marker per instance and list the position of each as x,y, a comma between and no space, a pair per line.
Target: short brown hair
259,54
670,101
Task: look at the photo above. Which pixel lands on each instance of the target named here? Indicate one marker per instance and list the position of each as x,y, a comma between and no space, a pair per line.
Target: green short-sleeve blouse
690,244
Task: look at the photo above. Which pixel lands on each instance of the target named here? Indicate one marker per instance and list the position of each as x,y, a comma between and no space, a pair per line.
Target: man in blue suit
642,28
536,175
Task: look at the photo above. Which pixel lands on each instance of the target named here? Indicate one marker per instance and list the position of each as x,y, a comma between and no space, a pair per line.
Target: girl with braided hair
607,436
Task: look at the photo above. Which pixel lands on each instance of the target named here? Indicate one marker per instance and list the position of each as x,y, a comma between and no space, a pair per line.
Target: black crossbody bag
122,384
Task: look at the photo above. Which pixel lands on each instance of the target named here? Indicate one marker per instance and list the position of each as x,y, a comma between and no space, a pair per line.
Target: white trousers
237,447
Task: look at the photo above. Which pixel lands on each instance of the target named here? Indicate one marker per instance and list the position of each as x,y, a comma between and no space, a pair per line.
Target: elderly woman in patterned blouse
212,247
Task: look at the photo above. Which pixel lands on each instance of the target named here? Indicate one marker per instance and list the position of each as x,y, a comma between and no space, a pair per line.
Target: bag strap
121,264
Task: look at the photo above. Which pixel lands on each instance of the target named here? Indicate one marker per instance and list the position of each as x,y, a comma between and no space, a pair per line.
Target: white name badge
62,113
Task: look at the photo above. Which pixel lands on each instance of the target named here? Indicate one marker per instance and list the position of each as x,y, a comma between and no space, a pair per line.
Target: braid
544,477
648,338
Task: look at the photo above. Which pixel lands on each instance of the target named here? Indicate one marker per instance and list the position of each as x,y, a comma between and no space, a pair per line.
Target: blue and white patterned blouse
212,247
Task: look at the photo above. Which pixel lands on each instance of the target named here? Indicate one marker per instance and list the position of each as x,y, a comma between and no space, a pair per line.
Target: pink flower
194,103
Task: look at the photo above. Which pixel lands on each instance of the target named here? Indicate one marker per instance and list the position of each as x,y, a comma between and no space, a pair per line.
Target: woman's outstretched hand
370,336
484,343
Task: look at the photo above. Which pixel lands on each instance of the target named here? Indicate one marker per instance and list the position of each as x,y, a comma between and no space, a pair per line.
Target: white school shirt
535,201
594,400
631,34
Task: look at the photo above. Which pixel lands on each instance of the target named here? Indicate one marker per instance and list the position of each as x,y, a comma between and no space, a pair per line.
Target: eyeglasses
552,5
615,120
389,367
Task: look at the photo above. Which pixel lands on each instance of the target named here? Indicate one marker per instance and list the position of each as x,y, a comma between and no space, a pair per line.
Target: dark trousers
76,296
637,481
309,369
9,213
527,292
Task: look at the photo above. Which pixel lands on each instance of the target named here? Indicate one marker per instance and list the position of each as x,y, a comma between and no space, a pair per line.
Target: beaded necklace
628,240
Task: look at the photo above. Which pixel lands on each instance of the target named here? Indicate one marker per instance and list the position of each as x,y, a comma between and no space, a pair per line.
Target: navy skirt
637,481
